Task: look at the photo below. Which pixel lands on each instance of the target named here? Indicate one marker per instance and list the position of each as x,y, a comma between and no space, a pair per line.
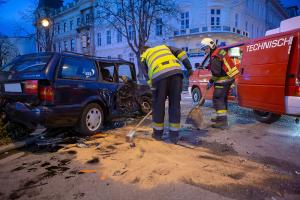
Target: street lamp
45,23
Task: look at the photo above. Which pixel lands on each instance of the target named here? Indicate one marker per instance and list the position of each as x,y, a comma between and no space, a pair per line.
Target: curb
17,145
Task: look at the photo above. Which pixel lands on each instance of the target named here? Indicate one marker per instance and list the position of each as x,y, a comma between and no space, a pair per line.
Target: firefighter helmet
208,42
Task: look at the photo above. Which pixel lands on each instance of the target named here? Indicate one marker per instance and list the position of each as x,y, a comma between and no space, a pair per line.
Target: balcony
210,29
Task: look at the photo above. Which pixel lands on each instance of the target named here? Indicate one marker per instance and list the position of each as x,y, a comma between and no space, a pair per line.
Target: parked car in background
71,90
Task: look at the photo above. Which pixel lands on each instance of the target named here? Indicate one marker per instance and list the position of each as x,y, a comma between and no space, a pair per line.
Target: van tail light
46,94
297,90
31,87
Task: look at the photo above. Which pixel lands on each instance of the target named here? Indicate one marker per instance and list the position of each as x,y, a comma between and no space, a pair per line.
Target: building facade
77,27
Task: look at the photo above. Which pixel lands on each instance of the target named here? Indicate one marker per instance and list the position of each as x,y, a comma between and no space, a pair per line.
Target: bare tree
43,35
135,19
7,50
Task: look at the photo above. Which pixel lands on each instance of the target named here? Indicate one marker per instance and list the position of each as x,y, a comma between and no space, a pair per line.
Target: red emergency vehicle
269,79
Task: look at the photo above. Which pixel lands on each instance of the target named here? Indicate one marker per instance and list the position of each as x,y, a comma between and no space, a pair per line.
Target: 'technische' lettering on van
270,44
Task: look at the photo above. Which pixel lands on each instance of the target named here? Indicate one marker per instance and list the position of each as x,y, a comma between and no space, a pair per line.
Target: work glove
209,84
190,72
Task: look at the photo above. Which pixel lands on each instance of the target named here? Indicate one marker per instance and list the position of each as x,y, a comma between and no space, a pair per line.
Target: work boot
221,122
157,134
174,137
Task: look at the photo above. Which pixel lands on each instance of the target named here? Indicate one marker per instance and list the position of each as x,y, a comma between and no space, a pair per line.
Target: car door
263,72
76,81
127,89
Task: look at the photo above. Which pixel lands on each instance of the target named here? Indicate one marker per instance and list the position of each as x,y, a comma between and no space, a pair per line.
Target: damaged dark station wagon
71,90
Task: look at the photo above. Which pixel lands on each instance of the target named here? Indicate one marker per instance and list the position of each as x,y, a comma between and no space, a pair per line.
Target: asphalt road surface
250,160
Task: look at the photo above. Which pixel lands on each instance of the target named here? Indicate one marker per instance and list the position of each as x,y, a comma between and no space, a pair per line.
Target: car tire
197,95
91,120
266,117
145,104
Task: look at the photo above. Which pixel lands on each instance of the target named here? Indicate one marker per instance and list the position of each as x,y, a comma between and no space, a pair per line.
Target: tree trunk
140,75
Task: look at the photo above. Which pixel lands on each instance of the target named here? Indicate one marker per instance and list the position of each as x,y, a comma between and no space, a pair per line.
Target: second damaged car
71,90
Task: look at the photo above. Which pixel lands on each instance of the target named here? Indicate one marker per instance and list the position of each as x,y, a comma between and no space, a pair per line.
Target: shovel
130,135
195,116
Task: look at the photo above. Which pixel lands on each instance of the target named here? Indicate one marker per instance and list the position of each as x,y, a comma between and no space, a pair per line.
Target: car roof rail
95,57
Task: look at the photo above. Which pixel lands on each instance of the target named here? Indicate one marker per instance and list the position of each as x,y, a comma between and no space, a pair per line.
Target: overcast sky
11,17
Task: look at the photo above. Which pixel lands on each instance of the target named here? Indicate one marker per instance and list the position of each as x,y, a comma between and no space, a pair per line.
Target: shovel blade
195,117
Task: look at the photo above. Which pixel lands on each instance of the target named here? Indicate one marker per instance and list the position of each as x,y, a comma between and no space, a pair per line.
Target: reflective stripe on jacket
228,66
160,60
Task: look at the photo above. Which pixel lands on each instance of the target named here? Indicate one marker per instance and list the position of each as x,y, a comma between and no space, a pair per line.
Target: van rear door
262,80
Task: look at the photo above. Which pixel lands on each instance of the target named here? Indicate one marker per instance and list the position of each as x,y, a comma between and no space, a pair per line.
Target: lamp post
44,24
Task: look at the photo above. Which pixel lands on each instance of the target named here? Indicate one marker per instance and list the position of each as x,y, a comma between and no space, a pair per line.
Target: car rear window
77,69
30,63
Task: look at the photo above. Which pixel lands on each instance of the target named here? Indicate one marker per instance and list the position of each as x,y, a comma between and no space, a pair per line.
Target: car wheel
266,117
197,95
145,104
91,119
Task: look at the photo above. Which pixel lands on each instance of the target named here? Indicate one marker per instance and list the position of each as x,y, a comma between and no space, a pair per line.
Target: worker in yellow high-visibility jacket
162,69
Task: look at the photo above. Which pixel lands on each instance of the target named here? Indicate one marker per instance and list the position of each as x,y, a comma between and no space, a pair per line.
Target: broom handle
142,120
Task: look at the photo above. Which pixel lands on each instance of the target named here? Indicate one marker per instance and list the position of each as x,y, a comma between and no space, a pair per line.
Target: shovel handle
202,98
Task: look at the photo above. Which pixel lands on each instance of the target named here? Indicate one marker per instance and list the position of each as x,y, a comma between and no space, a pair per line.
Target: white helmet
208,42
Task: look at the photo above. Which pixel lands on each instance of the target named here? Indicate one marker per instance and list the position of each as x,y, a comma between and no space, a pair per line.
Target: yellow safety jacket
160,60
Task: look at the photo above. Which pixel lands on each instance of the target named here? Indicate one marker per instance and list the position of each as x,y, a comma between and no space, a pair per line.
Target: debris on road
87,171
94,160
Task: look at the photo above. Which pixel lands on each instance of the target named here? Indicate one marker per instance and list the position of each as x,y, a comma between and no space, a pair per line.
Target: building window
59,47
99,39
120,56
159,26
58,29
78,21
252,31
54,47
186,49
108,37
72,45
131,57
119,35
130,32
71,25
184,20
65,27
88,18
236,21
215,18
246,25
65,46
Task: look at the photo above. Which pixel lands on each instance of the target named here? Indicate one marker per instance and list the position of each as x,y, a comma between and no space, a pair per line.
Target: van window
30,63
124,70
235,53
77,69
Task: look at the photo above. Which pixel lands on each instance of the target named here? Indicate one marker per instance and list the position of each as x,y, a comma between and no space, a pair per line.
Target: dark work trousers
170,87
220,96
